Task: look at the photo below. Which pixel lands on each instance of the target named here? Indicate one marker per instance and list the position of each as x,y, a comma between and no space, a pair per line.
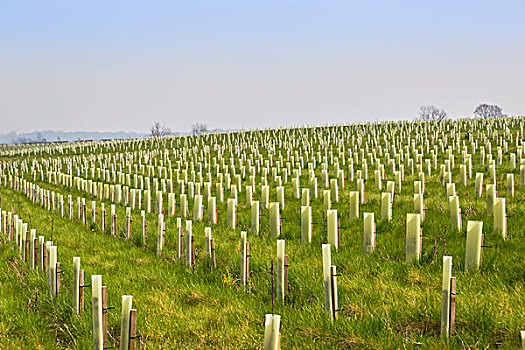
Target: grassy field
384,303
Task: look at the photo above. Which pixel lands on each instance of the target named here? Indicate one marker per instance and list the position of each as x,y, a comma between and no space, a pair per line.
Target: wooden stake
452,305
104,317
247,260
335,304
81,292
193,249
58,278
421,241
181,243
27,246
213,252
286,272
35,255
45,257
481,250
132,328
145,230
130,226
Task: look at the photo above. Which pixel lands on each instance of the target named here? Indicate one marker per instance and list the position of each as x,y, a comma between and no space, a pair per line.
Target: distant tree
159,130
199,128
485,110
427,113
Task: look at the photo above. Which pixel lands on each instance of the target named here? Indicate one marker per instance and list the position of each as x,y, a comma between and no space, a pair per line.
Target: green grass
384,302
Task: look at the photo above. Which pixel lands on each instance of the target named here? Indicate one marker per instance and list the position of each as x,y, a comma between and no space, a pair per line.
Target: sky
121,65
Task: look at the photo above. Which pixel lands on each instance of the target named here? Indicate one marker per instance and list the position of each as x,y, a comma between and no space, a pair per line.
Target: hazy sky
120,65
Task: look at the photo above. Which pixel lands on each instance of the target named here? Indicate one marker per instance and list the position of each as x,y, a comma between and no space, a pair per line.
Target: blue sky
119,65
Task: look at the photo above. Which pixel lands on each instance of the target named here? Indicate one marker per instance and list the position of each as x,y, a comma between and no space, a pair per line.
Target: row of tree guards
333,237
413,249
365,151
413,227
41,255
334,190
332,227
494,204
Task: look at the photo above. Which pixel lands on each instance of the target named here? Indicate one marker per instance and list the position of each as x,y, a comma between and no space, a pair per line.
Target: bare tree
485,110
199,128
159,130
427,113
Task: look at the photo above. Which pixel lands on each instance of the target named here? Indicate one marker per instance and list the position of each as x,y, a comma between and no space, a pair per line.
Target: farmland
129,209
